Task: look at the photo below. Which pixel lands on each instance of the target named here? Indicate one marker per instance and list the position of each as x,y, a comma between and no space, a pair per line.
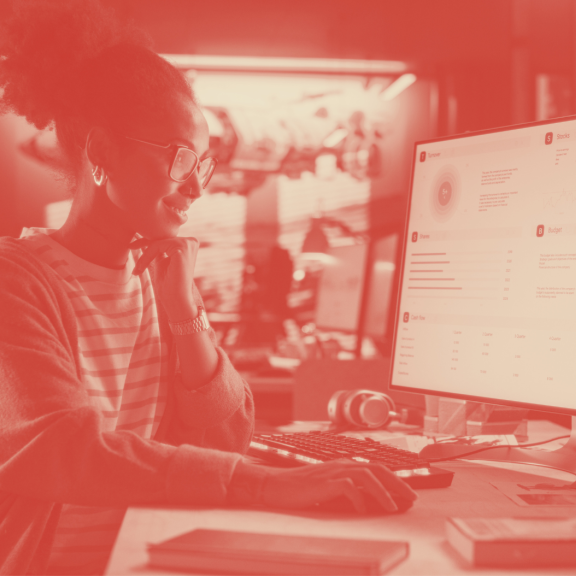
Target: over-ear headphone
362,408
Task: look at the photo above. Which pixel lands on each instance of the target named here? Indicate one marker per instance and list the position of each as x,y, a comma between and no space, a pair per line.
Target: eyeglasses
185,162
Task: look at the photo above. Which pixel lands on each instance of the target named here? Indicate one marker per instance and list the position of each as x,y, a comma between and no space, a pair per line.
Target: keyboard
303,448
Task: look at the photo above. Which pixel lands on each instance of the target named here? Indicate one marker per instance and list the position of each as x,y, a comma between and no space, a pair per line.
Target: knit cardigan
52,447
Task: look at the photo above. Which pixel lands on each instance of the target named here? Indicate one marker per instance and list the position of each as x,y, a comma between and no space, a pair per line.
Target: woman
113,390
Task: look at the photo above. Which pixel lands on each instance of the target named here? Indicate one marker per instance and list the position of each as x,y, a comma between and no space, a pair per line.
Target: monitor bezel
513,403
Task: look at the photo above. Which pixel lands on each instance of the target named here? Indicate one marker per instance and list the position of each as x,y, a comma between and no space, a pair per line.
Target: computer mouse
343,505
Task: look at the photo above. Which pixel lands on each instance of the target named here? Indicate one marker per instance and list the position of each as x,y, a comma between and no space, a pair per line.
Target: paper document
545,493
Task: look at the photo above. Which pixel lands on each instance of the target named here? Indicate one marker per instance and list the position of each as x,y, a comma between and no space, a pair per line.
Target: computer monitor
340,288
487,299
380,305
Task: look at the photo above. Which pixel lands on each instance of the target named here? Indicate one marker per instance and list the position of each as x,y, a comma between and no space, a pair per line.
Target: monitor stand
563,458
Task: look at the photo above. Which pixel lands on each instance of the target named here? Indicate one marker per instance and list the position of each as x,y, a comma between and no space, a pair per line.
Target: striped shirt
124,371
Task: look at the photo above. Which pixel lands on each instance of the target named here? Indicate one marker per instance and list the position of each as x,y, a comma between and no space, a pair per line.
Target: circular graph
445,193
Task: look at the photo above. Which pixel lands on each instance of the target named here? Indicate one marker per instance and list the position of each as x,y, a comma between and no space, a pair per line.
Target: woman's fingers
386,477
345,487
393,482
147,256
363,477
171,251
287,490
322,482
141,242
169,246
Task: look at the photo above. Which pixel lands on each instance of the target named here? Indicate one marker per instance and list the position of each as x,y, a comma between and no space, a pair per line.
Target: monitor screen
379,304
487,299
340,288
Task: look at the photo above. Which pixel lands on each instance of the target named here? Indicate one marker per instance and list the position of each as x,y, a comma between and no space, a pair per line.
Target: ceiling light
259,64
335,137
398,86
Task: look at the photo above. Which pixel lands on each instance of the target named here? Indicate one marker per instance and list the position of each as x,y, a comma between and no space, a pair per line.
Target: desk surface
471,494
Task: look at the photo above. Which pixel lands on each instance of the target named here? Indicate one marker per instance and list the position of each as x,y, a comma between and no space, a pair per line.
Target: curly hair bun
45,44
71,65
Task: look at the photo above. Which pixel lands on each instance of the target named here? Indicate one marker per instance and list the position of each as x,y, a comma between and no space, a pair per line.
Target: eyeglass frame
178,146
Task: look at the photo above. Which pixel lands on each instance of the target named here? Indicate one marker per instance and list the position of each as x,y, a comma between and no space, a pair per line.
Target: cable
498,446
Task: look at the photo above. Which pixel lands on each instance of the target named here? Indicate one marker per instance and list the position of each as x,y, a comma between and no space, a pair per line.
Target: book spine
525,554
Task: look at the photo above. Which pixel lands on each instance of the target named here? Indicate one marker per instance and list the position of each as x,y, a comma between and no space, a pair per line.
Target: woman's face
140,184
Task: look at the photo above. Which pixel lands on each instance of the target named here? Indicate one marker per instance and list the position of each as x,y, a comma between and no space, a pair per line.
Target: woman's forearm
198,359
197,355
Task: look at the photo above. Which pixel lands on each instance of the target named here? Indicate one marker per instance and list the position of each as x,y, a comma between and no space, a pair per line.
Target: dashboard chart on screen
487,304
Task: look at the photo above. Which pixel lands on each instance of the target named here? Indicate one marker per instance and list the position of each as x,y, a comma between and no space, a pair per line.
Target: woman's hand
175,273
318,483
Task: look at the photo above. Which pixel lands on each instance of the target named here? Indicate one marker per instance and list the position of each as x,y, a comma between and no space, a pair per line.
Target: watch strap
191,326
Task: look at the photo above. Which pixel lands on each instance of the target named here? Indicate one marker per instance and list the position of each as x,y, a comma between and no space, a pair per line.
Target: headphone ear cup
367,408
335,413
375,411
389,400
361,408
351,407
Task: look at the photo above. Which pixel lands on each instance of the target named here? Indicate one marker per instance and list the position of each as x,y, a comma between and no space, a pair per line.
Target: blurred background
314,107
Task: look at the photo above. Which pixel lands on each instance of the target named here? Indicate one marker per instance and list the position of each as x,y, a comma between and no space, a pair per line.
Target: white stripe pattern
124,371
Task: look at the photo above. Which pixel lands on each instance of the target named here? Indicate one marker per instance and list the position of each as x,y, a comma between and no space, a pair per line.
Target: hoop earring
100,177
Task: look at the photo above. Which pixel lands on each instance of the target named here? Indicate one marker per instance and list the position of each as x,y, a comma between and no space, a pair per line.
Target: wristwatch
192,326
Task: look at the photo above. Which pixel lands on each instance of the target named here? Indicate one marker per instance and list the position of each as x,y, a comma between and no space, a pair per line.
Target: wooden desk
471,494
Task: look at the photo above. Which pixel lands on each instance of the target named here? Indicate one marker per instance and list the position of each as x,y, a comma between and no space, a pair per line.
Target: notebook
228,552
